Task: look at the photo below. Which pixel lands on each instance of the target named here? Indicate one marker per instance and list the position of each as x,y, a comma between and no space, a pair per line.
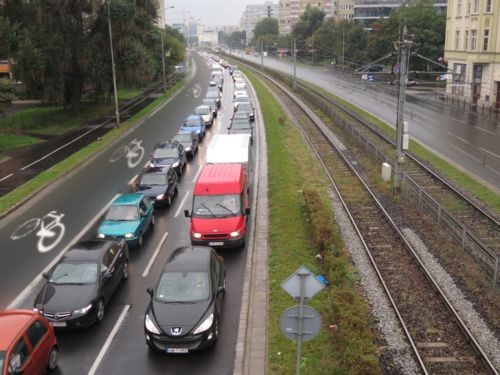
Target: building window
459,8
468,7
473,40
466,40
488,6
457,39
486,37
476,7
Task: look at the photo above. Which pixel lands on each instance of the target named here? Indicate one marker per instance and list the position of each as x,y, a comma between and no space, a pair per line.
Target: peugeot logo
176,331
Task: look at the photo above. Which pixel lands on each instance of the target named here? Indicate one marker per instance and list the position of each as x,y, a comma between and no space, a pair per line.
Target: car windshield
122,213
202,110
188,286
240,123
245,107
216,205
74,273
152,179
164,153
192,121
183,138
241,99
212,94
209,102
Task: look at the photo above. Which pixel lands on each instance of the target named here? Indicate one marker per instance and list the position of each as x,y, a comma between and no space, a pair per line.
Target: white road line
155,255
6,177
181,206
493,170
197,174
466,153
131,182
487,151
110,338
16,303
485,130
459,138
60,148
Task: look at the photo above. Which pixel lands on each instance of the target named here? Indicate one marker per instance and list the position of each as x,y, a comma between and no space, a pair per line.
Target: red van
220,206
28,344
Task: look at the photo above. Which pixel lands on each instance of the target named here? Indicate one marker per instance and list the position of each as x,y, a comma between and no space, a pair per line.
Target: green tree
309,22
266,26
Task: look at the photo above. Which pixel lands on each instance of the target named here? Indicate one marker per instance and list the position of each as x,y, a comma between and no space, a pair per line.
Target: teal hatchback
128,218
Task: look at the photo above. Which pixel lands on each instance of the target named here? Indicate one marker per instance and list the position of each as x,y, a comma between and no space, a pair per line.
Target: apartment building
472,50
291,10
256,12
344,10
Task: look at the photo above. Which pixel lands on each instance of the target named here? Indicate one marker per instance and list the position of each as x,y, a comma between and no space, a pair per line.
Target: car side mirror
18,371
186,213
150,291
247,211
220,290
107,275
46,275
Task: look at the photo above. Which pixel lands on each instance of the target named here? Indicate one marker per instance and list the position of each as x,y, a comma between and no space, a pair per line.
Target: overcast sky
209,12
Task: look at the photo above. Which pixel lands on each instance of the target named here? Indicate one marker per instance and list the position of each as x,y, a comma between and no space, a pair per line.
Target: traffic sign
311,323
311,284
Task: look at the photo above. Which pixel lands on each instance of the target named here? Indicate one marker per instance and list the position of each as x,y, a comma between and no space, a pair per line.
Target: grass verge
301,226
14,197
10,141
459,178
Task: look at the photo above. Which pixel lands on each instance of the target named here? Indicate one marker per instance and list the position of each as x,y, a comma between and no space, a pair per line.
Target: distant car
237,93
28,344
160,185
206,112
219,80
189,140
213,95
194,123
240,124
128,218
185,310
246,107
374,68
82,282
214,89
240,85
409,82
241,99
169,154
212,103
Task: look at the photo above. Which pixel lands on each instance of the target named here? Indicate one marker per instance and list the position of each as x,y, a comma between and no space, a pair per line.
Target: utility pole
117,110
162,31
312,50
294,65
404,49
261,55
343,43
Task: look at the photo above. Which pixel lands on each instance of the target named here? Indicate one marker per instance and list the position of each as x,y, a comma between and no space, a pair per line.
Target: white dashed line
155,255
183,202
6,177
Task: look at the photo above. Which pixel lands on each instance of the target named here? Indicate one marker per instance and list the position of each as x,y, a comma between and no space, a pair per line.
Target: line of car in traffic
185,310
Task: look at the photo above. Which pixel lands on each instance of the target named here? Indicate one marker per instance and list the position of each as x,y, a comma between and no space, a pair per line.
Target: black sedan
185,311
247,108
169,154
82,282
240,124
214,96
189,140
160,185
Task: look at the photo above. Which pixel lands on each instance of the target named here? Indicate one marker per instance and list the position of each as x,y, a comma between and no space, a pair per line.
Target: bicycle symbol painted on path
134,152
50,232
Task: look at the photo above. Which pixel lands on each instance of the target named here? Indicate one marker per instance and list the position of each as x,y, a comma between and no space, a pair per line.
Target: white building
208,36
291,10
256,12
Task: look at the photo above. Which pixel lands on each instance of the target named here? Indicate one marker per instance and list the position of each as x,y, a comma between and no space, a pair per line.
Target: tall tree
266,32
309,22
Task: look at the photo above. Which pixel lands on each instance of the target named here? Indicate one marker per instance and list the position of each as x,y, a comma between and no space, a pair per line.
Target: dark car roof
87,250
189,258
166,145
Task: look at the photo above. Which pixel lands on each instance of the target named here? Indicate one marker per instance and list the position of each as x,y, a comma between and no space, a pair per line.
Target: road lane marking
491,153
132,181
485,130
197,174
183,202
459,138
6,177
110,338
16,303
59,148
466,153
155,255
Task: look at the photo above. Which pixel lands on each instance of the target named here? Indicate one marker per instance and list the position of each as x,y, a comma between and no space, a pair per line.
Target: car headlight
129,235
235,234
83,310
188,149
197,235
207,323
101,235
160,197
198,131
150,325
151,165
175,165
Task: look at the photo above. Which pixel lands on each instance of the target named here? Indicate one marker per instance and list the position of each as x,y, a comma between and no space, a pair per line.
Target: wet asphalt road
468,139
80,197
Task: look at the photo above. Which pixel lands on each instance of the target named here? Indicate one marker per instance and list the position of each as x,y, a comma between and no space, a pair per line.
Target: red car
28,344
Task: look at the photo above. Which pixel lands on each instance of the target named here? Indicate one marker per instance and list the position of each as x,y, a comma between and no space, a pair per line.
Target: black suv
169,154
160,185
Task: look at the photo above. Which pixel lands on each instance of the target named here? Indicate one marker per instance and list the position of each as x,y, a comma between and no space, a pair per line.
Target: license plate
58,324
177,350
215,243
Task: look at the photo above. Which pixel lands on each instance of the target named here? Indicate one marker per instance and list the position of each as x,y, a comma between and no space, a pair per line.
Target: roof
220,179
228,148
131,199
189,258
87,250
11,323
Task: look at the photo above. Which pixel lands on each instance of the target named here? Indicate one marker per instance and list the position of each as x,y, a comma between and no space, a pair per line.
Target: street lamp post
163,47
117,110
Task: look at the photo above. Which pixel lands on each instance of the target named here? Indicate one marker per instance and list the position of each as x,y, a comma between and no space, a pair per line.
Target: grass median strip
301,226
14,197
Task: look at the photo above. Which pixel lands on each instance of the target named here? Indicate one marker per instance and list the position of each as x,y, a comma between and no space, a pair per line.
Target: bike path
81,194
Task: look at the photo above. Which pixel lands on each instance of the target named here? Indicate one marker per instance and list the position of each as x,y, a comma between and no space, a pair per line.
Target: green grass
461,179
294,176
10,141
14,197
129,93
